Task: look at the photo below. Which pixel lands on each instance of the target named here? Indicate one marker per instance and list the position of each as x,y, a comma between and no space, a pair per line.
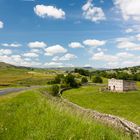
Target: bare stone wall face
121,85
115,85
129,85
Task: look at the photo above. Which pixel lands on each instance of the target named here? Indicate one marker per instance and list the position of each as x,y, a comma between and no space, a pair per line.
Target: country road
11,90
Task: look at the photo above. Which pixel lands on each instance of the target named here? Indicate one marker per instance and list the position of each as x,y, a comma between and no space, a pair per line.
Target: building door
114,88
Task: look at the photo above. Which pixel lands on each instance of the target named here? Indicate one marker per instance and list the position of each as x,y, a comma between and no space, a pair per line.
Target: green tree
58,79
70,80
54,90
97,79
84,80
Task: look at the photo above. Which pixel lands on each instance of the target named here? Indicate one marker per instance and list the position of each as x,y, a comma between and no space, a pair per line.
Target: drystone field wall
112,120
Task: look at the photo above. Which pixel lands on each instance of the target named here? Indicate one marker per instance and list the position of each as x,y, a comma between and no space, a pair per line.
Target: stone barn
121,85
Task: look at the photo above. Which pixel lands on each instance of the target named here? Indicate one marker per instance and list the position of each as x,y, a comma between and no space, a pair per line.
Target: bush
64,86
54,90
97,79
70,80
84,80
57,79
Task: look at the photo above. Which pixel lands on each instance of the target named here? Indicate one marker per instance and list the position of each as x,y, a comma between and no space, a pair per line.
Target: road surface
11,90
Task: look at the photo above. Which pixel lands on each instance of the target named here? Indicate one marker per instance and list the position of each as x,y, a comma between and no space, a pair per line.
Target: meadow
31,115
17,77
126,105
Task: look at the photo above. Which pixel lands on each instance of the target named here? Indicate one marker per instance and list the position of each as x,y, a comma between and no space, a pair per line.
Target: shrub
54,90
97,79
57,79
70,80
64,86
84,80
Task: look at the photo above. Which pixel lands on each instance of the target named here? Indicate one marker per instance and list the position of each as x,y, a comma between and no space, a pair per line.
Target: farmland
126,105
11,76
31,115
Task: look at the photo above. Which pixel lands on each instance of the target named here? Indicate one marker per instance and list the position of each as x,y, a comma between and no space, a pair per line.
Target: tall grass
31,116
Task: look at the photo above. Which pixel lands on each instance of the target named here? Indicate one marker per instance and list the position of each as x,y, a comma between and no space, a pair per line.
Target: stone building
121,85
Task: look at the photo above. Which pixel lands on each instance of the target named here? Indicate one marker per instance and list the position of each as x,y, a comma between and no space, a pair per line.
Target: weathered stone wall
115,85
129,85
121,85
127,126
111,120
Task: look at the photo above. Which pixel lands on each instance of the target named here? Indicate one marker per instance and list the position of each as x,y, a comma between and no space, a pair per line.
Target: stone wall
129,85
111,120
115,85
129,127
121,85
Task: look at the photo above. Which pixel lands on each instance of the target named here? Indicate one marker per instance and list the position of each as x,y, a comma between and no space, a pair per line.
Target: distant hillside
5,65
72,68
130,70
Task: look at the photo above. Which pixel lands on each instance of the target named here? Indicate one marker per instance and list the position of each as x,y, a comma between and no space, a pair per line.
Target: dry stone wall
115,121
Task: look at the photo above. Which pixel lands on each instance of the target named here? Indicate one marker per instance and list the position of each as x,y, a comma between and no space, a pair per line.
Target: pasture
31,115
126,105
15,77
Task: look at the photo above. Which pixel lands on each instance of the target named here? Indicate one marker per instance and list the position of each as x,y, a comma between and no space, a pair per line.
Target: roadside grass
31,116
126,105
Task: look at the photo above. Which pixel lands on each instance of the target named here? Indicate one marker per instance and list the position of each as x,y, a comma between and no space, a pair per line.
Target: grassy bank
31,115
125,105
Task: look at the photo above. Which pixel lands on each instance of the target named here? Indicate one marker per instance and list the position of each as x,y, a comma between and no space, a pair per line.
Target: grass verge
31,115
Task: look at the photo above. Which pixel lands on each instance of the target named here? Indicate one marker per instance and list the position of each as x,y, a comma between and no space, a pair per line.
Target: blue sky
57,33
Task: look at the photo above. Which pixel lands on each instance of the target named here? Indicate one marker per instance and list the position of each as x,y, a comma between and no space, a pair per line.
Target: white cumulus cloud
94,42
92,13
128,45
130,9
56,49
138,37
53,64
100,56
37,44
30,54
76,45
5,52
15,45
120,59
67,57
129,30
1,24
49,11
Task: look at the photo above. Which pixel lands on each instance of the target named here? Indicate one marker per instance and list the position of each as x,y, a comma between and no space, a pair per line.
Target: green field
15,77
126,105
31,116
